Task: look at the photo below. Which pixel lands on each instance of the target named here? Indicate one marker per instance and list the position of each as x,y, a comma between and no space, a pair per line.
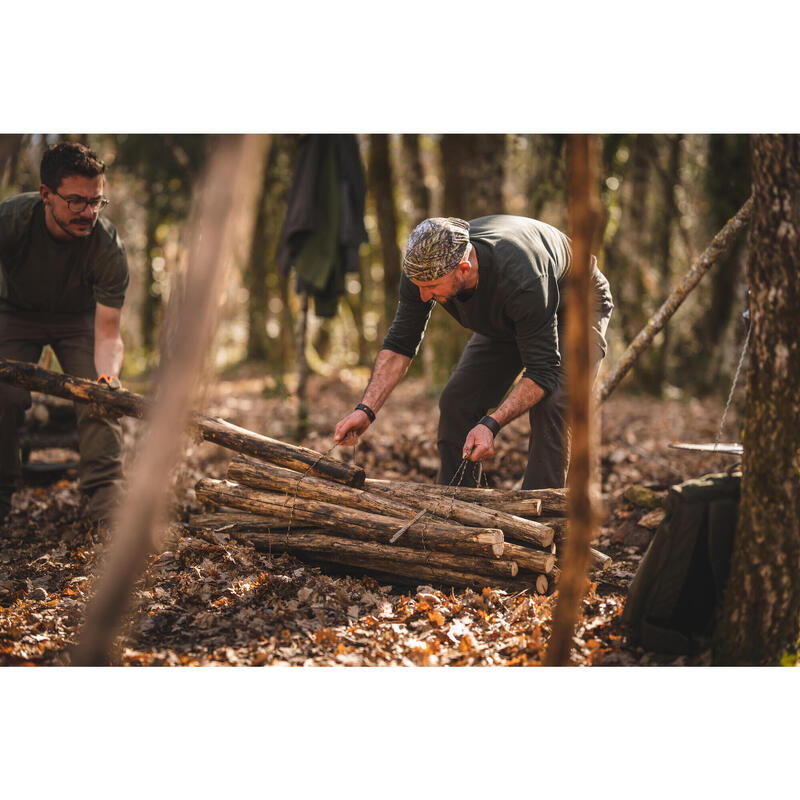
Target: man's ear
44,193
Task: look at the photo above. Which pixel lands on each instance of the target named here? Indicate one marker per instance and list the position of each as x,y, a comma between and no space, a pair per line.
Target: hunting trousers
484,374
23,335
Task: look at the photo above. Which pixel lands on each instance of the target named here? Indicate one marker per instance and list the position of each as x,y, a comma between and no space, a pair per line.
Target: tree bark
212,429
584,216
761,609
473,165
255,273
373,555
424,534
382,188
414,179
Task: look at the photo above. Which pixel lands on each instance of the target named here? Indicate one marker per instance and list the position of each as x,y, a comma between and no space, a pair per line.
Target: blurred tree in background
664,196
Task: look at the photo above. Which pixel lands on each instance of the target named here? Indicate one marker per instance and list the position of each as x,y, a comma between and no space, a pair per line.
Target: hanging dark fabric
324,223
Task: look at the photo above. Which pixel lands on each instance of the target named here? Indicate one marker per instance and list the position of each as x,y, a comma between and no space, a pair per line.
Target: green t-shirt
40,273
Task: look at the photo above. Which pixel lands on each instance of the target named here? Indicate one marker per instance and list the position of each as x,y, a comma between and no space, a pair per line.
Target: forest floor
215,601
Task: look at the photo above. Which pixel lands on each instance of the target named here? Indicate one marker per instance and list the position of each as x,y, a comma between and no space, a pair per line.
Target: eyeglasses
78,204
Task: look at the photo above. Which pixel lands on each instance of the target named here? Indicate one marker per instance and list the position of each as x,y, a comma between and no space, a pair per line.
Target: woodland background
663,198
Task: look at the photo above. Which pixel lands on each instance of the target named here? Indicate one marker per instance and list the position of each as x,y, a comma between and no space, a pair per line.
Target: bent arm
108,347
525,395
389,368
386,374
479,444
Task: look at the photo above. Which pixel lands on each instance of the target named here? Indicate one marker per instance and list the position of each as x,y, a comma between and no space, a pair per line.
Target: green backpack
674,597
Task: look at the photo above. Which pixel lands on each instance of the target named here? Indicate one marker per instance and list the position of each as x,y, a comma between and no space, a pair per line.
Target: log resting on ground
213,429
319,544
389,500
521,502
457,579
424,534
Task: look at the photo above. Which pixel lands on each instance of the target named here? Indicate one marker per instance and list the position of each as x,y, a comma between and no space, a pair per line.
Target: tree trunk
256,271
212,429
151,301
584,218
424,534
302,371
473,165
382,188
760,615
414,179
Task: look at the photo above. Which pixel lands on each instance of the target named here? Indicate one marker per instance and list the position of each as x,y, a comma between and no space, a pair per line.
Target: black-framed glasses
78,204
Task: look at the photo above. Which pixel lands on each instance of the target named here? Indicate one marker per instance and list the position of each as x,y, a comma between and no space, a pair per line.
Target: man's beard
82,232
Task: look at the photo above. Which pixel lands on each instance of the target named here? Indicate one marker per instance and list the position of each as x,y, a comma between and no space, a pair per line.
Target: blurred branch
223,195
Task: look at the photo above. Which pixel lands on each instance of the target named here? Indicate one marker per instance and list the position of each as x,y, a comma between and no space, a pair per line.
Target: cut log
234,521
390,501
529,559
212,429
302,459
425,534
319,544
521,502
600,560
468,513
276,479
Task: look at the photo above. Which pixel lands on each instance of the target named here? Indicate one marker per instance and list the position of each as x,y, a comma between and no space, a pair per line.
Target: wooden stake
584,214
212,429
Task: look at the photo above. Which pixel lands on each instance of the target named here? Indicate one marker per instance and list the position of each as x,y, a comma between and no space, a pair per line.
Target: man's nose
88,211
426,294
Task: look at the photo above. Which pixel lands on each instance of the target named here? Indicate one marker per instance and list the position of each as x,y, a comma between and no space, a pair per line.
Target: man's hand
98,409
110,381
479,444
350,428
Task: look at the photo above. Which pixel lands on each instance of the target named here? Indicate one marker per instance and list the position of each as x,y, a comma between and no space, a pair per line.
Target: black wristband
367,410
491,423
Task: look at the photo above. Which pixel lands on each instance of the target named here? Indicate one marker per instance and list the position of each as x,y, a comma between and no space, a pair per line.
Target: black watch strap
491,423
367,410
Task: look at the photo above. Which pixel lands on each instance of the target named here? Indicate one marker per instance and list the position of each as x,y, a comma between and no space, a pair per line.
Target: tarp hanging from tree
324,223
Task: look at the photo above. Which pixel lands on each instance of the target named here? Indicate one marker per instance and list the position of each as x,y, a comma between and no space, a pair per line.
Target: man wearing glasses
63,276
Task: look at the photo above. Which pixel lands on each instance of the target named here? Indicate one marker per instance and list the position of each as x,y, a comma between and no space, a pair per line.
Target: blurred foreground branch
223,196
719,245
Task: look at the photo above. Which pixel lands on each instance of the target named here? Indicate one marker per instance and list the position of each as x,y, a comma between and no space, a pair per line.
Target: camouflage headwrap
435,247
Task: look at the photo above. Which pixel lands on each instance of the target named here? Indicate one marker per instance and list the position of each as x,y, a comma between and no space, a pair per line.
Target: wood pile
395,530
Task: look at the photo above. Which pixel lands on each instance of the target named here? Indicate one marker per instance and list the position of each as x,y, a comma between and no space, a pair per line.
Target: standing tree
761,609
382,188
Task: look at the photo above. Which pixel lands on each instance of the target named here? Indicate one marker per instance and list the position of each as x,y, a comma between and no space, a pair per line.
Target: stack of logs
397,531
298,501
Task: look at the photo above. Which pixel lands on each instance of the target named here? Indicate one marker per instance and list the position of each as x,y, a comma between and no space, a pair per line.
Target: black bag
675,595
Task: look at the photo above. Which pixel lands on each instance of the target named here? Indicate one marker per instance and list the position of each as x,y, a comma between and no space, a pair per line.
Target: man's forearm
524,396
386,374
108,354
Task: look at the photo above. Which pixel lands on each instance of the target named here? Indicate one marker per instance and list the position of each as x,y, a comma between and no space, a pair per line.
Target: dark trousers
23,335
484,373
